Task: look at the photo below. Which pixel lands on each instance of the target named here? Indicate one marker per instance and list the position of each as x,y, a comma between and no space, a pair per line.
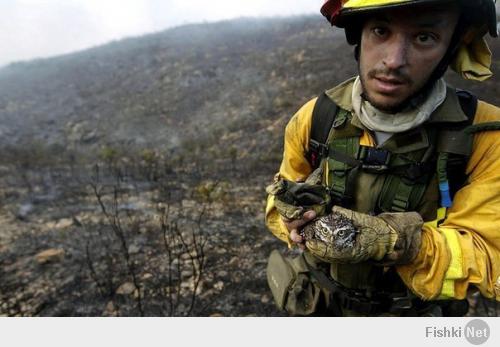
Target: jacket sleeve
464,251
294,165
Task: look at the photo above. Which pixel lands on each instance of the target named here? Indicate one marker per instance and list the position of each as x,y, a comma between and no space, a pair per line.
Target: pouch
291,284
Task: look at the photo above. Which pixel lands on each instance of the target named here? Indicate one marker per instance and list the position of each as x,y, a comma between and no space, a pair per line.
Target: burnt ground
62,255
128,241
117,243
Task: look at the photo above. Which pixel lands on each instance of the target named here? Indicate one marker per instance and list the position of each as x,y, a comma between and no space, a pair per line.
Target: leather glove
293,199
346,236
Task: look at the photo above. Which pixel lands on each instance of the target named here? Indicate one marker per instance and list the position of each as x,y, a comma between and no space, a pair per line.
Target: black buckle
317,151
358,301
319,148
375,160
401,303
360,304
375,304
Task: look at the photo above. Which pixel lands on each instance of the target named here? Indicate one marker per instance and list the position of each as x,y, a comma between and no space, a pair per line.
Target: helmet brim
347,15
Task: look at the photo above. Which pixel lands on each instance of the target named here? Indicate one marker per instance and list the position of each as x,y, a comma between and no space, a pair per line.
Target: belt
362,302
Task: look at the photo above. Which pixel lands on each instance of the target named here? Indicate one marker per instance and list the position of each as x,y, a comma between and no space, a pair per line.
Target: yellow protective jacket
464,251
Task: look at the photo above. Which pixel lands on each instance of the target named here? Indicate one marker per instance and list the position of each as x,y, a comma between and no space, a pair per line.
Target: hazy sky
41,28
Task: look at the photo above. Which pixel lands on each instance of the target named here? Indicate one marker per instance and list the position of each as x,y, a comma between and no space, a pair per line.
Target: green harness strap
489,126
346,158
402,191
341,166
408,174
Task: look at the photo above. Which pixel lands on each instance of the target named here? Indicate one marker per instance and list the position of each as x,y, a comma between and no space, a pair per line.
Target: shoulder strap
456,164
325,111
323,116
465,102
452,137
468,103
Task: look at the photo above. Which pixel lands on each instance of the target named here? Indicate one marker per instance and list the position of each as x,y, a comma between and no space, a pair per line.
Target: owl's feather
334,230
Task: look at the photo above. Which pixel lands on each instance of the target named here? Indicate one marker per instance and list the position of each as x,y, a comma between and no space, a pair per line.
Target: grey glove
293,199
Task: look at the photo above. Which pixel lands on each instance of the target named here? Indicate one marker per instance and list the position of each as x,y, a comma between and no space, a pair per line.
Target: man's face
400,49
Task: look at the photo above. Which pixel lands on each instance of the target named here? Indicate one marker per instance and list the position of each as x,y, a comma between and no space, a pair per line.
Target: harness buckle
357,302
320,148
317,151
401,303
375,168
374,160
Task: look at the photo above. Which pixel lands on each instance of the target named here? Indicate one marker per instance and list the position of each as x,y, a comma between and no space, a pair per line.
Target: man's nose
396,55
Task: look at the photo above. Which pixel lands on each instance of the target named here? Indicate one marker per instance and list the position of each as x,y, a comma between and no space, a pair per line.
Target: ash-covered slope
231,83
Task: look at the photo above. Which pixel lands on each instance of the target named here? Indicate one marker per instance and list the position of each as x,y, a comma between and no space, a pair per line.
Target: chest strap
334,138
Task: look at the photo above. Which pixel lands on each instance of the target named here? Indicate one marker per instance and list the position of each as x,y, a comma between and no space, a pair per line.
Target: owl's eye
341,233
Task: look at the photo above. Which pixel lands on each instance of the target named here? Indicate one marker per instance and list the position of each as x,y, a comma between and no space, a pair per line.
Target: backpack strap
454,150
325,112
468,103
453,147
451,165
453,153
323,116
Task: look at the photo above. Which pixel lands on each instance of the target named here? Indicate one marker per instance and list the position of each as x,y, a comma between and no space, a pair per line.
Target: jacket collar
449,111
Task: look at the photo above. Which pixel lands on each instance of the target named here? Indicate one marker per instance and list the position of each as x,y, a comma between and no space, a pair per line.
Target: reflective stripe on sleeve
454,271
440,216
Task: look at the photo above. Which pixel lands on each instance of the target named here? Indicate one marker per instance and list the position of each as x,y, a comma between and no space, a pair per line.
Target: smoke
41,28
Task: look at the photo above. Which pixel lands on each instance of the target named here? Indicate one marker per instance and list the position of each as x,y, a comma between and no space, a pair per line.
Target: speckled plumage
334,229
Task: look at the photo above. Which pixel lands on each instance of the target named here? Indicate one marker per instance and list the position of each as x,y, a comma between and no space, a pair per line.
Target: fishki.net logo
475,332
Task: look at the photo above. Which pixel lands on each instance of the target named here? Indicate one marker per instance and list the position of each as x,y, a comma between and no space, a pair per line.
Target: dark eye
426,39
380,31
341,233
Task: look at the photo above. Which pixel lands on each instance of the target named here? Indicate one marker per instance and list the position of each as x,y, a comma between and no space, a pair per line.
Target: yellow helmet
469,57
339,12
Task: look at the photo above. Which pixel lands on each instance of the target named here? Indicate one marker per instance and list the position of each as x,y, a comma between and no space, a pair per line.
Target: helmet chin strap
417,98
456,40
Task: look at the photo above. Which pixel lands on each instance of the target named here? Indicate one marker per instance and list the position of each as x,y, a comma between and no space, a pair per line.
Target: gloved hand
293,199
347,236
